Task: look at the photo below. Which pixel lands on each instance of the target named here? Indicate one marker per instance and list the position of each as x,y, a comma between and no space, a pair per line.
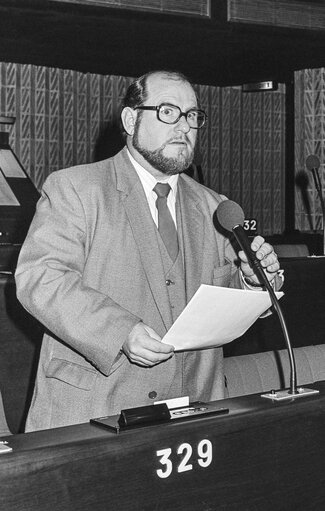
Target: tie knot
162,189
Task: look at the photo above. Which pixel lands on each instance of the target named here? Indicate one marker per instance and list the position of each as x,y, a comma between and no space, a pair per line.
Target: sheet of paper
216,316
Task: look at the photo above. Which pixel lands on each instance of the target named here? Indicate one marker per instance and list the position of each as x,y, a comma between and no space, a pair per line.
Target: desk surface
262,455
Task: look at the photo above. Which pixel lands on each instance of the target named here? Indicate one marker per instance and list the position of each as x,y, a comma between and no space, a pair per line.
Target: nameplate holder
150,414
157,414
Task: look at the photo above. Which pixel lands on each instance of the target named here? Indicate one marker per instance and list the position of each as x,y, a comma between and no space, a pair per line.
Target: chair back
291,250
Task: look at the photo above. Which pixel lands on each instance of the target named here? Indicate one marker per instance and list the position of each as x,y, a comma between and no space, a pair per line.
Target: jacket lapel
144,231
193,223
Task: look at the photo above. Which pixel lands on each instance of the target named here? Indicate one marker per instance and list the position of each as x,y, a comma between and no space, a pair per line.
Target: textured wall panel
66,117
309,139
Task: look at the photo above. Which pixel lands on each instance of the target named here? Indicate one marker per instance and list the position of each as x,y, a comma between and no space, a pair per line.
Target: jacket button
152,394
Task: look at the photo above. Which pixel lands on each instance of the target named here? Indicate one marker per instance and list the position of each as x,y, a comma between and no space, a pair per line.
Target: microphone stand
293,370
318,186
293,391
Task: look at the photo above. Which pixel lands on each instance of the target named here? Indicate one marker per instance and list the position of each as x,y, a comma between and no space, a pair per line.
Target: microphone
231,217
313,164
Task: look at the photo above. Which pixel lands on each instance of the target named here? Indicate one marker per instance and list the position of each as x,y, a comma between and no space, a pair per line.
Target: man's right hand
144,347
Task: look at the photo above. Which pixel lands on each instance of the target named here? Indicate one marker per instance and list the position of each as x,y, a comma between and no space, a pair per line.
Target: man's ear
128,118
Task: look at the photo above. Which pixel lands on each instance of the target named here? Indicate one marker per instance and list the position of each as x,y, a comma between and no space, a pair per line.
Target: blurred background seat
291,250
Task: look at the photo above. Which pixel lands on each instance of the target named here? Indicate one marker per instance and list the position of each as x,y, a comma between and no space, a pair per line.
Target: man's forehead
159,84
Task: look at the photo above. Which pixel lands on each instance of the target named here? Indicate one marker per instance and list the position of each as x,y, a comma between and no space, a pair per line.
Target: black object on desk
155,415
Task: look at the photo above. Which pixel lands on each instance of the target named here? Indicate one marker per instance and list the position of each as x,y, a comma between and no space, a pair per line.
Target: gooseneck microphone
231,217
313,164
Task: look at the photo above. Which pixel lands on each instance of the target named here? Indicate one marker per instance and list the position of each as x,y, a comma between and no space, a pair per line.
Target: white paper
215,316
175,402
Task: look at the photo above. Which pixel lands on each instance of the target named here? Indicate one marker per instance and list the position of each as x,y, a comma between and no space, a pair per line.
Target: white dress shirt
149,182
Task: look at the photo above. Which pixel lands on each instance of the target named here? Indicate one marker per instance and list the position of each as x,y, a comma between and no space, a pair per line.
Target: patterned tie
166,226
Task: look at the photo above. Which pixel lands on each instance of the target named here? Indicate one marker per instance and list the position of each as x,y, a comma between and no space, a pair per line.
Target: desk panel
263,455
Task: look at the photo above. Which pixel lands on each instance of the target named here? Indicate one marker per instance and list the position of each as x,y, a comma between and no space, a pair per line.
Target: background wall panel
309,139
66,117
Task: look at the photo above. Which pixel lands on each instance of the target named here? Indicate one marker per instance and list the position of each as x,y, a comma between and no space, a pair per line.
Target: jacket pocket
73,374
222,275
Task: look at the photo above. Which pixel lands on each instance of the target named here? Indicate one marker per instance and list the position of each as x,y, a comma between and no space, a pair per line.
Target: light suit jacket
90,269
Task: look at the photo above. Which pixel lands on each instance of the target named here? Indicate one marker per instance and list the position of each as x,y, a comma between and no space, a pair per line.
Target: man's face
166,148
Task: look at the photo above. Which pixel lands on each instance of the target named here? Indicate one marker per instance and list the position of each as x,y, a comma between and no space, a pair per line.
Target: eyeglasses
171,114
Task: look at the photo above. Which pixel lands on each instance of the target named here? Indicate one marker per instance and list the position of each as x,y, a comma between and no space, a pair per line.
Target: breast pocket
222,275
73,374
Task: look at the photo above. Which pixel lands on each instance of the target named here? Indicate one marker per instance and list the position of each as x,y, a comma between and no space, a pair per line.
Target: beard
165,164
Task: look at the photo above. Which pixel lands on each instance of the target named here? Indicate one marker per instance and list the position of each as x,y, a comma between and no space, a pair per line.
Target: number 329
185,453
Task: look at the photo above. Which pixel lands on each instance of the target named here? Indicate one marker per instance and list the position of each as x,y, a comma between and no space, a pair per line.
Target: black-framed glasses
171,114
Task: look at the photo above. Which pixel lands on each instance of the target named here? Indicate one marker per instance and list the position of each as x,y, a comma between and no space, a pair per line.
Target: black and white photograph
162,255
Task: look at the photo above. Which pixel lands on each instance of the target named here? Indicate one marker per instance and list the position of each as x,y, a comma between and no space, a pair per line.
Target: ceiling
115,41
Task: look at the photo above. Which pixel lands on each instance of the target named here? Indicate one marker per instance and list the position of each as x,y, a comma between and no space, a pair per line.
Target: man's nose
182,124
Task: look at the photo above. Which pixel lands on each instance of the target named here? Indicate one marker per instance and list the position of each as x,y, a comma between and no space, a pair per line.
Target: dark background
104,40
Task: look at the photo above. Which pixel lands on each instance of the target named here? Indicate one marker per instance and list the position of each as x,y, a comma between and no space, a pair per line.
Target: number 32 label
250,224
203,456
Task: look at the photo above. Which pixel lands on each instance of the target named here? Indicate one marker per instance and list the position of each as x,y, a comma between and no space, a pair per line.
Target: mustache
184,139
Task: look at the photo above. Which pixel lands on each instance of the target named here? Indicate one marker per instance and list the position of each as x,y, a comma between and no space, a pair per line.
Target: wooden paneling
260,456
193,7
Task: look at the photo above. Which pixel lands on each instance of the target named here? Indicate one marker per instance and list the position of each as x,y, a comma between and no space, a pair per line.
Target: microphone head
312,162
230,214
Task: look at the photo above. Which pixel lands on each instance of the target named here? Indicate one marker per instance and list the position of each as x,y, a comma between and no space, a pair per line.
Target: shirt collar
148,180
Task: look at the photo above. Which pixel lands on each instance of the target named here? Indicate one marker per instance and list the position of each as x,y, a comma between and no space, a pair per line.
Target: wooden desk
261,456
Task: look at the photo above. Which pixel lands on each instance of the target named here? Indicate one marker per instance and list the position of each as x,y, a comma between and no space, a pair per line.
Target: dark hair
137,92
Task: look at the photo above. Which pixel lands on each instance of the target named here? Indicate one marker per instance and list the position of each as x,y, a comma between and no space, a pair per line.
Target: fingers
151,332
144,347
264,252
269,261
257,242
149,352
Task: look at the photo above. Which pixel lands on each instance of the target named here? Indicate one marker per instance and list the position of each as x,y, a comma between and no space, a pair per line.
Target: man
96,271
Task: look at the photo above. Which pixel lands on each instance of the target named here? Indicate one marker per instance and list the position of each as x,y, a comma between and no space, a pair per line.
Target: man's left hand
265,254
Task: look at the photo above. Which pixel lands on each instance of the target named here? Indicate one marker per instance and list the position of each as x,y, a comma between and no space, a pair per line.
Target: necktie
166,226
